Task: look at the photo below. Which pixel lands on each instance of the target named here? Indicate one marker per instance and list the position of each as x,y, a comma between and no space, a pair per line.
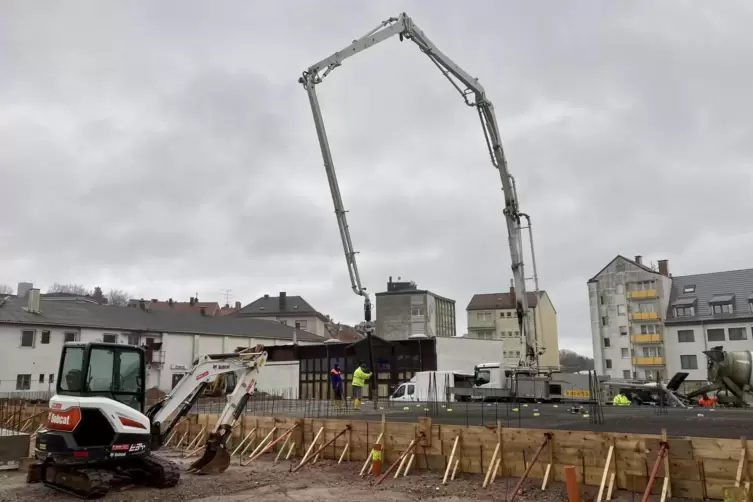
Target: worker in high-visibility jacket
359,378
621,400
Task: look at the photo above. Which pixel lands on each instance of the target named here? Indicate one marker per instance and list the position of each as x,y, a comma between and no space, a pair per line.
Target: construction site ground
699,422
323,481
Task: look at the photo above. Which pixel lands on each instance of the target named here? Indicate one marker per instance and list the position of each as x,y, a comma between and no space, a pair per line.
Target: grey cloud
167,148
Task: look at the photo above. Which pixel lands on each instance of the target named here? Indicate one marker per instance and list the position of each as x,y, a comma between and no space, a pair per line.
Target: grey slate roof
501,301
712,287
75,314
270,306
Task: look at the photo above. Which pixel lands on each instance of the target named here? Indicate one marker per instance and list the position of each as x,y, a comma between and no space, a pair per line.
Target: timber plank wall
699,467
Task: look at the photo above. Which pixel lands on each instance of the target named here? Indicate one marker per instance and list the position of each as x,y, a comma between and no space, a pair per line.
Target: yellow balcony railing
643,316
642,293
648,361
648,338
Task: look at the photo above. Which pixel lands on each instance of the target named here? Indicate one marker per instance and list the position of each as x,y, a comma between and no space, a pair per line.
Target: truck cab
404,392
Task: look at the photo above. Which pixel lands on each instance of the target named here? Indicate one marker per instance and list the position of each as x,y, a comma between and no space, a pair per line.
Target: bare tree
117,298
76,289
573,361
5,289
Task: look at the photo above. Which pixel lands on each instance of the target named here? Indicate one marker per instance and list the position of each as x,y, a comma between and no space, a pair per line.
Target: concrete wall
674,349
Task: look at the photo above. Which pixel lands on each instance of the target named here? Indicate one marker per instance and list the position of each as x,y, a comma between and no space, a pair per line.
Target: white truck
430,386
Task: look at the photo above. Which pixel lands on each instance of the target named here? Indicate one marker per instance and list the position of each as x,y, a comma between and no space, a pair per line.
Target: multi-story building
705,311
404,310
628,304
492,317
291,311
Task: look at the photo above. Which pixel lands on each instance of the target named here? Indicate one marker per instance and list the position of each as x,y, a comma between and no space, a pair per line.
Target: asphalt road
702,422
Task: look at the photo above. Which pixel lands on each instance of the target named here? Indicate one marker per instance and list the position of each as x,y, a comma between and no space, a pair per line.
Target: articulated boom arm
474,95
246,363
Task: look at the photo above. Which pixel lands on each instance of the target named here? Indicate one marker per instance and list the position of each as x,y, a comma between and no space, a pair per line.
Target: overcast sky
166,148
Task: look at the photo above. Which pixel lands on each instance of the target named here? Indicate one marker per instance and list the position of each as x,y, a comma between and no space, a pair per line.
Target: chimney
282,300
33,303
266,296
237,305
512,287
639,259
191,301
154,300
142,305
170,302
203,311
664,267
23,288
295,336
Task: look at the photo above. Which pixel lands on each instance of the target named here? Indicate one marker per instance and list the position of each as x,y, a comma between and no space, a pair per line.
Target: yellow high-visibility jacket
359,376
620,400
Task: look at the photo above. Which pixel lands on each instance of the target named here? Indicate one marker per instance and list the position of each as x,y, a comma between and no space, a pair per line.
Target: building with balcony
404,310
493,317
705,311
628,305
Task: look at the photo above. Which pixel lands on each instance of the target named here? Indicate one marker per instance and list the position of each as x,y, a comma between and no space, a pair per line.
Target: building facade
291,311
628,304
493,316
32,337
705,311
404,310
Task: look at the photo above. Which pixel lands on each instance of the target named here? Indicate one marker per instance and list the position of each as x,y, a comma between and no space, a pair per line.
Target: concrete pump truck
97,429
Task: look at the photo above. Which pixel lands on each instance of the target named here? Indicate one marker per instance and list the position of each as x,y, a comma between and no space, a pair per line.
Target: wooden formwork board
698,466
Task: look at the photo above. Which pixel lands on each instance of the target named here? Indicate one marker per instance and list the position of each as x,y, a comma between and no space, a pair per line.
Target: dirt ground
323,481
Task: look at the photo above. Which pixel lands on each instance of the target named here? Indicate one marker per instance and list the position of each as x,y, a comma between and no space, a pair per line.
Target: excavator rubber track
160,472
90,483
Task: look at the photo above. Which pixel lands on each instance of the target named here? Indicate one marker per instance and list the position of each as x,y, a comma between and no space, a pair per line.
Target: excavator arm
166,414
474,95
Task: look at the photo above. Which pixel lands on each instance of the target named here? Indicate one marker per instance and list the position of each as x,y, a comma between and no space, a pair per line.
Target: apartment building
404,310
628,304
492,316
705,311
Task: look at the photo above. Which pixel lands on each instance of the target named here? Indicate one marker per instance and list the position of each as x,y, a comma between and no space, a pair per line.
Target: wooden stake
455,470
345,450
283,447
410,464
292,445
742,466
550,451
666,491
496,470
368,459
452,457
250,442
263,442
492,467
605,474
242,442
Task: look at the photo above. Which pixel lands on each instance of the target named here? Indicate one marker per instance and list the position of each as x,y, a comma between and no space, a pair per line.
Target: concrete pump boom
474,95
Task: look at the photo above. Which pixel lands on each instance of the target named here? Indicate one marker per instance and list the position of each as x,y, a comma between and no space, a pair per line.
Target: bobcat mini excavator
97,430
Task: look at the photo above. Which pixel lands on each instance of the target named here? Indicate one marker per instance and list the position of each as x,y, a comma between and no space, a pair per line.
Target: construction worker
621,400
336,378
359,378
708,402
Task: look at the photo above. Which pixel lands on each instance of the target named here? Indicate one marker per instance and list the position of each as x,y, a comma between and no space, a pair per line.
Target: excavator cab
109,370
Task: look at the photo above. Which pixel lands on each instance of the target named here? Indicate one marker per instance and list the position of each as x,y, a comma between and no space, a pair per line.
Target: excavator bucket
215,460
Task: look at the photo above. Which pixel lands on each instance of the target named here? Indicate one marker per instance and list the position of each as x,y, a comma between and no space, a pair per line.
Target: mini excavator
97,430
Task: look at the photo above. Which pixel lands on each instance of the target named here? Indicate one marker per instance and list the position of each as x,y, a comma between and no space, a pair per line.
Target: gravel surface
323,481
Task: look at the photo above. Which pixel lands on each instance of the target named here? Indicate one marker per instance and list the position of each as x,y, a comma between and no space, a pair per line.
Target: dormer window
684,307
750,301
690,288
722,304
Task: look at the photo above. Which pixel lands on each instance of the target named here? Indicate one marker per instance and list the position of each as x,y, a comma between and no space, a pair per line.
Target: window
23,382
623,331
685,336
52,378
647,307
738,334
715,335
689,362
690,288
651,351
621,310
130,374
649,329
723,308
133,339
684,311
601,299
41,378
608,363
27,338
70,336
644,285
416,311
509,314
301,325
484,316
516,333
400,392
620,289
99,377
411,389
625,353
109,338
46,336
605,321
606,342
486,335
626,374
282,321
